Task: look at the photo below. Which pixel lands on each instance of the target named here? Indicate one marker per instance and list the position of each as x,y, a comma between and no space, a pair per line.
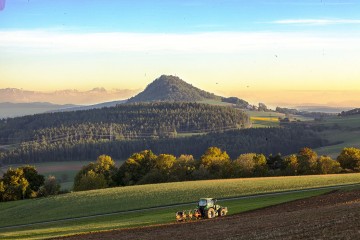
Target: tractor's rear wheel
210,213
222,212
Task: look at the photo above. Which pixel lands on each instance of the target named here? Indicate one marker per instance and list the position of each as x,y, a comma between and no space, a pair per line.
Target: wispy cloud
317,21
208,42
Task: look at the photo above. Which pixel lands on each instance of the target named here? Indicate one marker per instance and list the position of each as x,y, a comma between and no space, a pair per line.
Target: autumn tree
136,166
164,162
161,170
183,168
349,158
307,160
91,180
217,162
103,168
260,166
106,166
249,165
35,180
14,185
291,165
327,165
244,165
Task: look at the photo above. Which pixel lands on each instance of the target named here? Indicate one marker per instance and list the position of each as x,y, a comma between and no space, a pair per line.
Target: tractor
207,208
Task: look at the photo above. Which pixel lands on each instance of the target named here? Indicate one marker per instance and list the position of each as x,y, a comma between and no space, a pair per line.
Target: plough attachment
184,215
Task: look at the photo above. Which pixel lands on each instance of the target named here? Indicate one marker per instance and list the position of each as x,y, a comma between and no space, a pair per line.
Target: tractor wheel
222,212
210,213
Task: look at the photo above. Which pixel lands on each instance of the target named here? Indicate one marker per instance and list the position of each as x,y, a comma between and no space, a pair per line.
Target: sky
273,51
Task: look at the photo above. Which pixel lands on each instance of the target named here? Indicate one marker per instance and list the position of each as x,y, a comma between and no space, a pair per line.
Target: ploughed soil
335,215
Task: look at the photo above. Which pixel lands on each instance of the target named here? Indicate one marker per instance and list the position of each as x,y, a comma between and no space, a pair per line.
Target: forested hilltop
123,122
169,88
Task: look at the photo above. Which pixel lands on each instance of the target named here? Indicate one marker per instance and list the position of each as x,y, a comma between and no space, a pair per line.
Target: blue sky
256,50
172,16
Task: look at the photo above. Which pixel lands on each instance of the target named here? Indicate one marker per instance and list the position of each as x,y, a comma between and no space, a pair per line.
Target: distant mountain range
93,96
17,102
324,109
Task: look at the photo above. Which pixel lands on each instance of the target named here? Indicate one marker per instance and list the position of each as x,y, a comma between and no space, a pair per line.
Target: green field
270,119
345,133
150,217
89,203
215,102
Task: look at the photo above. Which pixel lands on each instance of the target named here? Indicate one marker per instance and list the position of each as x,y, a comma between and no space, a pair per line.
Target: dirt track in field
334,215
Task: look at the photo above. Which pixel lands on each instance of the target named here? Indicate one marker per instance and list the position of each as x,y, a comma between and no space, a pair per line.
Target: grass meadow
149,217
110,200
345,133
270,119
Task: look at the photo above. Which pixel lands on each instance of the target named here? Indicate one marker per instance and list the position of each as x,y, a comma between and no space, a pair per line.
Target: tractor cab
207,203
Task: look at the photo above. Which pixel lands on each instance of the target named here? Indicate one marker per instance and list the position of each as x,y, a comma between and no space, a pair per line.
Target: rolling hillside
105,206
24,138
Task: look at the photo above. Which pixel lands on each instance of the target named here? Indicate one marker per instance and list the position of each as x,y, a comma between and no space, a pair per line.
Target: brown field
334,215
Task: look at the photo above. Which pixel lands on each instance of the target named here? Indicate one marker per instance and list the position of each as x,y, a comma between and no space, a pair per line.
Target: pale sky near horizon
239,48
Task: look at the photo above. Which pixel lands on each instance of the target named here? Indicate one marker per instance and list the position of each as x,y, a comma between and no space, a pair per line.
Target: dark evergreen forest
29,138
235,142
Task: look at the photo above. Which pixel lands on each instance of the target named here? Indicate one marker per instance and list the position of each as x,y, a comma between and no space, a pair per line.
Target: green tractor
207,208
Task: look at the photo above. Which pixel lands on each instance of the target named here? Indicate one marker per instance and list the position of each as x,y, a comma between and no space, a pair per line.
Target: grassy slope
347,134
143,196
140,219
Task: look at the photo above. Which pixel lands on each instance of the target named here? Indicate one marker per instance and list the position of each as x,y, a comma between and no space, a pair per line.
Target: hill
352,112
173,89
62,131
169,88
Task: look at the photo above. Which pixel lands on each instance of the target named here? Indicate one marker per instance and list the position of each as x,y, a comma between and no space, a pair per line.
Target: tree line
146,167
25,182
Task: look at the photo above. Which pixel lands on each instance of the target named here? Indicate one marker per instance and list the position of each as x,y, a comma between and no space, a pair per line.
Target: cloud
208,42
317,21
